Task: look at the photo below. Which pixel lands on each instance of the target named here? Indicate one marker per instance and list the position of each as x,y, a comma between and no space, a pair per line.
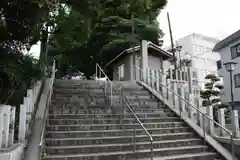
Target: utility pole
172,44
133,48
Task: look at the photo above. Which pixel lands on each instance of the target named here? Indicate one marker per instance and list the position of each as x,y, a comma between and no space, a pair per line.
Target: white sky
213,18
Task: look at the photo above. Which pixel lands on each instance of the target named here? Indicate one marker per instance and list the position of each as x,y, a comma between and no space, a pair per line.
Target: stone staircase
82,127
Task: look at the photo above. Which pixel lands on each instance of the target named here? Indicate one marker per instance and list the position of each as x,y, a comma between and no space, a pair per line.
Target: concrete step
102,111
112,120
131,154
81,91
91,107
101,100
62,97
80,127
116,132
115,88
116,139
101,148
133,104
194,156
97,116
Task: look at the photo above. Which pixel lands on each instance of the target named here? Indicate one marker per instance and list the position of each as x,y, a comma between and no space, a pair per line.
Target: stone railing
8,119
184,83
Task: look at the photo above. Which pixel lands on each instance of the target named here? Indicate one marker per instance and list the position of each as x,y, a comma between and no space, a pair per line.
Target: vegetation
212,92
87,32
78,34
20,26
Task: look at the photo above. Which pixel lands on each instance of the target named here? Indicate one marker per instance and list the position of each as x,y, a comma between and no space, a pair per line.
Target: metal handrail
105,85
49,96
139,122
203,115
122,100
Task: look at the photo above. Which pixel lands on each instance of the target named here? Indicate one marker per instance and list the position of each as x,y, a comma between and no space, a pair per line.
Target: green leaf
216,100
220,87
220,105
206,103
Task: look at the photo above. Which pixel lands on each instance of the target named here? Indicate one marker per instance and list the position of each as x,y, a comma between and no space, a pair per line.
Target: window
235,51
237,80
198,48
219,64
121,71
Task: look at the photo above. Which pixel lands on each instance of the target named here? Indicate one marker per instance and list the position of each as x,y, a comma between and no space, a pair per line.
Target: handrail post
96,74
233,147
111,95
151,149
134,138
204,133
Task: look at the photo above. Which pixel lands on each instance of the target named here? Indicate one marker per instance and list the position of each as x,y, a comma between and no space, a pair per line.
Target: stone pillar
199,116
157,73
210,125
26,102
190,92
132,68
144,58
12,126
235,123
175,97
31,102
182,102
221,118
22,123
6,122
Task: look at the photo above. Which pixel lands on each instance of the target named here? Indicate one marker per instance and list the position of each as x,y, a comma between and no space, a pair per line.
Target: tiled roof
223,43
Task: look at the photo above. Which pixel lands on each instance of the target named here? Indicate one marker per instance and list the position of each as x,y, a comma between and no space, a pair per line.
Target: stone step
101,96
116,139
101,100
118,132
112,120
97,116
131,154
102,111
103,148
91,107
194,156
116,88
79,91
133,104
80,127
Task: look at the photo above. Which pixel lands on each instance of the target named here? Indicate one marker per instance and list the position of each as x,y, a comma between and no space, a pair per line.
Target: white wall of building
199,48
226,57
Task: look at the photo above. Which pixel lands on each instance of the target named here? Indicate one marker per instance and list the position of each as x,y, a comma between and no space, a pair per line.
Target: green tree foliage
212,92
20,25
89,32
18,74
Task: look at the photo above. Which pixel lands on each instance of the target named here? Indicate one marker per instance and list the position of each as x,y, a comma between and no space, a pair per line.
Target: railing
183,102
125,103
107,83
49,96
26,115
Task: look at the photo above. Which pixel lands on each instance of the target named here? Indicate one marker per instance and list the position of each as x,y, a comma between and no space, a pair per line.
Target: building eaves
137,48
223,43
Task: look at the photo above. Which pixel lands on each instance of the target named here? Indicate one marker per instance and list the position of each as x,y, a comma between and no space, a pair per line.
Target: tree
212,92
90,32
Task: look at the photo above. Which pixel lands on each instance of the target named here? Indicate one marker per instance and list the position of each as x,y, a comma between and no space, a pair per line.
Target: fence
174,96
8,118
